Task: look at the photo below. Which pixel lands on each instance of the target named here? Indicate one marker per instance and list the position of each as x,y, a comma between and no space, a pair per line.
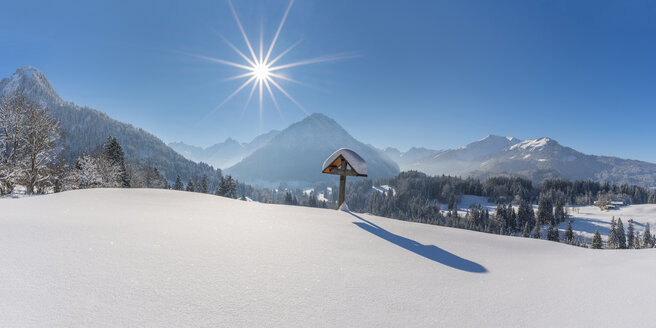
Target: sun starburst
262,71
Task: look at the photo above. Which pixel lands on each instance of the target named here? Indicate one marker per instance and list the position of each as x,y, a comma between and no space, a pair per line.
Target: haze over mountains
296,153
536,159
223,154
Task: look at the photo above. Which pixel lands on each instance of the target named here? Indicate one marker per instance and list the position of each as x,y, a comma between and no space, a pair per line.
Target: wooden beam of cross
344,162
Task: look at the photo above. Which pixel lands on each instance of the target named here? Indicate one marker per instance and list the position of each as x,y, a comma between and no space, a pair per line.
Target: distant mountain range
223,154
85,128
293,155
296,153
535,159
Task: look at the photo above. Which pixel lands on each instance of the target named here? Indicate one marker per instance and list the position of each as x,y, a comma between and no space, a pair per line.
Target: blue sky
437,74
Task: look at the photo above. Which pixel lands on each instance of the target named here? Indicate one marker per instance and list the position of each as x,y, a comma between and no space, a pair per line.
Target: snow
531,144
161,258
357,163
322,198
586,219
466,201
589,218
383,189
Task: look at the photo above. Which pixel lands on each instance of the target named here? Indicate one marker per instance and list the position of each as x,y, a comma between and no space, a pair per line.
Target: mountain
296,154
85,128
410,157
536,159
223,154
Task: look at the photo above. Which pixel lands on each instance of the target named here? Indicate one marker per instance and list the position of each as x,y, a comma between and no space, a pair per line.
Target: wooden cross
344,162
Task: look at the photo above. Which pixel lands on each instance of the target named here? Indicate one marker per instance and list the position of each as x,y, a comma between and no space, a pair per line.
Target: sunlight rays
260,68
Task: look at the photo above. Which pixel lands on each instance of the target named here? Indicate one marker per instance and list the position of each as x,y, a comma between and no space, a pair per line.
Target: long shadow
430,252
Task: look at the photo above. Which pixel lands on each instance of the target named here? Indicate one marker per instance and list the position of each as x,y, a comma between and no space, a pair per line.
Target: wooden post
342,184
342,190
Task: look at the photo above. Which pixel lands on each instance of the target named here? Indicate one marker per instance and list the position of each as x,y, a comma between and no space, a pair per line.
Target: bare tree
12,145
42,137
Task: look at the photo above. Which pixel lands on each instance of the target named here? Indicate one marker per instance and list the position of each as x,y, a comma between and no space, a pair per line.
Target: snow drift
165,258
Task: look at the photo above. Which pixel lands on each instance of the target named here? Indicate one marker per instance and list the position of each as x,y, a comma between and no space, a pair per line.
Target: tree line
416,197
32,152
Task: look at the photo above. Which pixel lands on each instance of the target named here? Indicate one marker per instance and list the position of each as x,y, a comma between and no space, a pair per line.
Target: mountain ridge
86,128
536,159
223,154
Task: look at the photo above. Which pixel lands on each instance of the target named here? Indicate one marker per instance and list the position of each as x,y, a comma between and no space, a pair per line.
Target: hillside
86,128
157,258
536,159
296,153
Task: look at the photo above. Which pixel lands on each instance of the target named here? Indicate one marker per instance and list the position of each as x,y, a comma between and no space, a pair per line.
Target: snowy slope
158,258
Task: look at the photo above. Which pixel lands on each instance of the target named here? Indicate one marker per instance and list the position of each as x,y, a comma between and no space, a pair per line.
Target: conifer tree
453,204
113,152
221,187
552,233
636,240
525,213
512,219
559,212
312,200
227,187
204,185
178,185
569,233
190,185
536,231
526,231
231,187
501,215
545,210
621,236
646,235
630,234
288,198
612,235
596,240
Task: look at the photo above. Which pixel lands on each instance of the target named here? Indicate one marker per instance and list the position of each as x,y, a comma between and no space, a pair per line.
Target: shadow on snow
430,252
590,225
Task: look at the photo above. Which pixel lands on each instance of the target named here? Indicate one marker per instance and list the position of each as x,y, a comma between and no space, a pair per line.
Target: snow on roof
358,164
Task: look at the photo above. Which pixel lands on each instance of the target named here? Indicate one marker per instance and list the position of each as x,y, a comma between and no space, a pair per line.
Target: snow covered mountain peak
496,138
32,83
534,144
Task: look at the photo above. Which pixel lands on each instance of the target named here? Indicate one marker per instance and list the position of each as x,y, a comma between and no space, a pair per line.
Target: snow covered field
159,258
589,218
586,219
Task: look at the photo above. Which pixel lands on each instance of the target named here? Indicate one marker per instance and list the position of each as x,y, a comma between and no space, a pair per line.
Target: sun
262,71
